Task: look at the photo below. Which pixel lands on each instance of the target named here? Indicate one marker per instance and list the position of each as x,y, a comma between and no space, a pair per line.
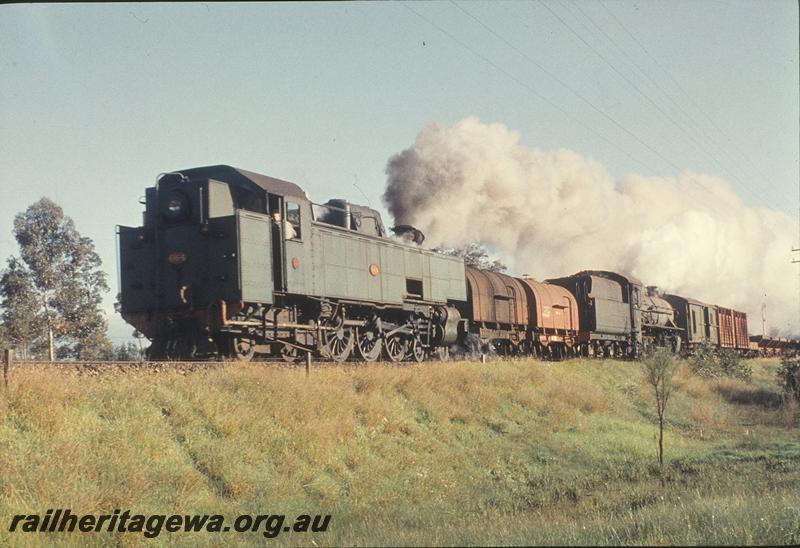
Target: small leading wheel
417,352
368,344
244,348
396,347
339,343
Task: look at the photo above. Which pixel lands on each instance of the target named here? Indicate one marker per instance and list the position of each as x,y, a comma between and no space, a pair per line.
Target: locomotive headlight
176,206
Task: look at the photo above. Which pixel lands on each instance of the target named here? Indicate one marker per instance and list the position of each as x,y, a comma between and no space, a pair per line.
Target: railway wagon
618,317
733,329
230,262
552,318
520,315
497,306
697,320
761,345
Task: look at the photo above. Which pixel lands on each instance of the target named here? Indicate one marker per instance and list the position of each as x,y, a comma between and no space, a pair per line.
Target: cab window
220,201
293,221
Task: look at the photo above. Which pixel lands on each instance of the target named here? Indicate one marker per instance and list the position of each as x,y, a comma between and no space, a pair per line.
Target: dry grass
458,453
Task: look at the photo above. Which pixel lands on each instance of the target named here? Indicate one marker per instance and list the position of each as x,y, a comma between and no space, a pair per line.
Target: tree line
52,290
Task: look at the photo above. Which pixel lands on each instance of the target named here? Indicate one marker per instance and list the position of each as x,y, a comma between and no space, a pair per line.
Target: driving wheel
368,344
417,352
396,347
339,343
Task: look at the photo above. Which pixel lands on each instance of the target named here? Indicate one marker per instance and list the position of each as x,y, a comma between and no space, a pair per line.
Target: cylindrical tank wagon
497,306
553,318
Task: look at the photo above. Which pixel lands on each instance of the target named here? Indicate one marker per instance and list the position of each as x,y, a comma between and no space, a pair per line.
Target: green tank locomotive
232,263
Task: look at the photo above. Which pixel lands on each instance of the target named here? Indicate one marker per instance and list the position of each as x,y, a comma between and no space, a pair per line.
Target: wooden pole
308,364
8,359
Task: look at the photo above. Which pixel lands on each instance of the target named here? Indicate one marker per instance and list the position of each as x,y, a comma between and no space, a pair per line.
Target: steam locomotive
234,264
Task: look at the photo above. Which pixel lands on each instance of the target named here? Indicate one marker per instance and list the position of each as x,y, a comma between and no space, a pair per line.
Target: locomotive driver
289,231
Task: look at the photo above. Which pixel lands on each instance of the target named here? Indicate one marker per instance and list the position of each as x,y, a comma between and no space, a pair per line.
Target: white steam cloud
553,213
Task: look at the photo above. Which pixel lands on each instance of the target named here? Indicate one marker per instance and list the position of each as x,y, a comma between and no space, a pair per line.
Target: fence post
8,359
308,364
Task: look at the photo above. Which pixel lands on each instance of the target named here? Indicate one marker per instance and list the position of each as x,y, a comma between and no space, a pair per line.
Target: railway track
119,367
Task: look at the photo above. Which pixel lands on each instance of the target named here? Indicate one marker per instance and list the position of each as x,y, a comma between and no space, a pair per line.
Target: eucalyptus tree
474,255
20,317
52,292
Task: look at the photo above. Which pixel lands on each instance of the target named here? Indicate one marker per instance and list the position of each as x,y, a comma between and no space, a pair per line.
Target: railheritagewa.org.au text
63,520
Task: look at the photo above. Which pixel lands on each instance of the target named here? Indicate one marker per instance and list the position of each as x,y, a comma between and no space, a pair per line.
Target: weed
707,361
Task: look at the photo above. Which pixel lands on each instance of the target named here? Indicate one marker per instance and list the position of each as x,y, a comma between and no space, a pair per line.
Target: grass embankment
459,453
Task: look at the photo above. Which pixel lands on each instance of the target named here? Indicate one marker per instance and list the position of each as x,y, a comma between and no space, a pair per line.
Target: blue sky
97,100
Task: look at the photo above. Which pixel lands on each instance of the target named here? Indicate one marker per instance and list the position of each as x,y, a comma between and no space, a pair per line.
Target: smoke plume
553,213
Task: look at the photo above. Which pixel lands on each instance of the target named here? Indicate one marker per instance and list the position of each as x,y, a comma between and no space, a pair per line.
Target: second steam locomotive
232,263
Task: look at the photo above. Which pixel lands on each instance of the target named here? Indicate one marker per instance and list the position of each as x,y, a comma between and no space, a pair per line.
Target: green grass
520,452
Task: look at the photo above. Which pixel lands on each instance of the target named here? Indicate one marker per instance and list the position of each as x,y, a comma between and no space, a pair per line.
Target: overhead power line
703,144
523,84
634,86
561,82
564,84
739,150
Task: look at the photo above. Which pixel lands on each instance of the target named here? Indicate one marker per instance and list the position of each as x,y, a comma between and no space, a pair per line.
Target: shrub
733,366
789,377
707,362
704,362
